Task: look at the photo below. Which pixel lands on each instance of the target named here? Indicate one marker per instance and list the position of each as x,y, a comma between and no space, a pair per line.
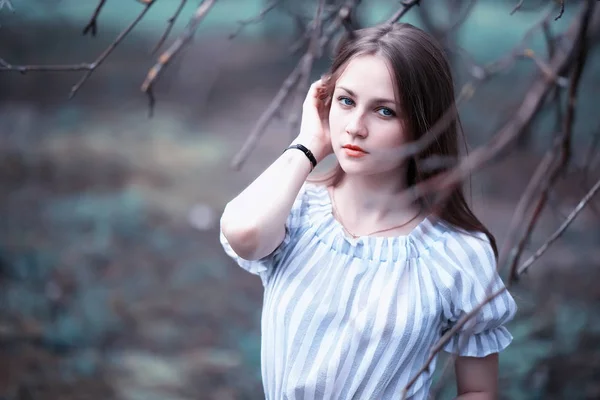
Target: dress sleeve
471,277
264,267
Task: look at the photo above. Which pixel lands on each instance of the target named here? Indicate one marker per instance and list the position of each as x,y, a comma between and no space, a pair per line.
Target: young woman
359,283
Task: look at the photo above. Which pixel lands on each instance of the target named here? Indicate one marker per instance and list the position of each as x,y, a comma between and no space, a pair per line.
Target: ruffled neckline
377,248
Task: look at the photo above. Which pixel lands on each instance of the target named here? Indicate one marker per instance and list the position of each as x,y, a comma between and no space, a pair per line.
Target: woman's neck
372,202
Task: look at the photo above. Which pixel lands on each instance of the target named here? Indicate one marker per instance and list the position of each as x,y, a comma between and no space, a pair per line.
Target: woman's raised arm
254,221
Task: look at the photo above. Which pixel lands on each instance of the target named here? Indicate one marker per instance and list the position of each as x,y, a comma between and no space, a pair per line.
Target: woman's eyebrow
351,93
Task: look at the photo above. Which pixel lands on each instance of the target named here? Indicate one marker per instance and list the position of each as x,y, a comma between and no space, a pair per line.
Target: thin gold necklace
337,213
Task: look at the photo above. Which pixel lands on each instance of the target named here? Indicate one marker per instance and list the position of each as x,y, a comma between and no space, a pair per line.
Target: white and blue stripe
348,318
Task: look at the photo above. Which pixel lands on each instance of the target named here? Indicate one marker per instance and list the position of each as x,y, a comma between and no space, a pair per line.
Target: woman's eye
345,101
386,112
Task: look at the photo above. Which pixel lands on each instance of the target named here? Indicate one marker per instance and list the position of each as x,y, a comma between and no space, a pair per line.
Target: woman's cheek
335,122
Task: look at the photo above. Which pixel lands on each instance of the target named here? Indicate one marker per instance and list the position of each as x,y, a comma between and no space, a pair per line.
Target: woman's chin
354,168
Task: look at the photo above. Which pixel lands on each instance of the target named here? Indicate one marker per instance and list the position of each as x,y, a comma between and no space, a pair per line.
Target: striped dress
347,318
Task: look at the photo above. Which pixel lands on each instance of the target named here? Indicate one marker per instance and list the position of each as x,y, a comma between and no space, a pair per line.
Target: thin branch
8,5
147,4
515,253
171,21
561,61
562,10
406,6
590,194
589,156
439,346
517,7
266,117
551,45
346,22
166,57
462,17
327,22
23,69
283,92
480,75
242,24
92,26
524,203
445,182
564,153
306,65
546,70
418,146
89,68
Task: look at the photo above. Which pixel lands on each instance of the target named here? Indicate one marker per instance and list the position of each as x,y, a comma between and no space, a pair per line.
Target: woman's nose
356,126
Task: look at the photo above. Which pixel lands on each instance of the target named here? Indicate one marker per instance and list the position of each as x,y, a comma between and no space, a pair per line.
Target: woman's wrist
315,147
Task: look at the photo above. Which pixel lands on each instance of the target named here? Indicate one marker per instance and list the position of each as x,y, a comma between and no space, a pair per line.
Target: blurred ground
112,280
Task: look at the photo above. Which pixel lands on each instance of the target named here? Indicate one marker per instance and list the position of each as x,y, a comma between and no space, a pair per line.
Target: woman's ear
325,93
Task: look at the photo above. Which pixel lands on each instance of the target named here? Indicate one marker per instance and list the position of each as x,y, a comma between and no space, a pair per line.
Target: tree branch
590,194
562,10
166,57
284,91
89,68
406,6
445,182
171,21
579,29
8,5
242,24
92,26
564,150
314,51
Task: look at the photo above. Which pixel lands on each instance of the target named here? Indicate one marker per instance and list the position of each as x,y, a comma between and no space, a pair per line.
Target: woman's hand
314,128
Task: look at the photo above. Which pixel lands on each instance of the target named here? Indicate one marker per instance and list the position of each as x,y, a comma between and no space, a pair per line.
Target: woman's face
365,120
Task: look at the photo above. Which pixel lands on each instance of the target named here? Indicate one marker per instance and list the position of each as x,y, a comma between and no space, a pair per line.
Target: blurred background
113,284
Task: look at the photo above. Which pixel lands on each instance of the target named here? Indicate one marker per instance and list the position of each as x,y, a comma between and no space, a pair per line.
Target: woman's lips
354,151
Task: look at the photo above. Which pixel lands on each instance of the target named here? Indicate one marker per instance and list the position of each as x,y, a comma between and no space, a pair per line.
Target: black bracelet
306,151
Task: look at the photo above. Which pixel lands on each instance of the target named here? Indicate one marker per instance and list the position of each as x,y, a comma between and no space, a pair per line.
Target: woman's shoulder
312,199
447,243
312,194
459,252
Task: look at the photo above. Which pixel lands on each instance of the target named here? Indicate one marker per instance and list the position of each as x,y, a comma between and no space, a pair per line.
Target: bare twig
560,61
562,10
306,65
589,156
551,45
517,7
92,26
406,6
439,346
89,68
283,92
462,17
480,75
266,117
111,47
165,58
546,70
8,5
328,22
6,66
170,24
564,150
524,203
242,24
445,182
590,194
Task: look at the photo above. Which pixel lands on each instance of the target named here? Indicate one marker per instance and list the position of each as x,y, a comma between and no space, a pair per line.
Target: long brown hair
425,89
